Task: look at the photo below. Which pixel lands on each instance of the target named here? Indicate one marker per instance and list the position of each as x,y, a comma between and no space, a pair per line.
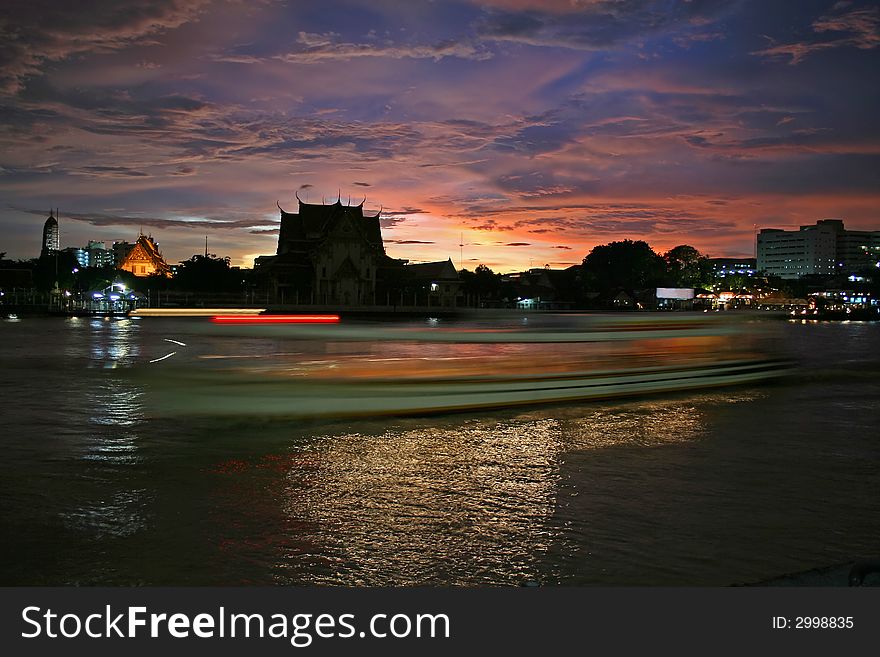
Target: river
700,488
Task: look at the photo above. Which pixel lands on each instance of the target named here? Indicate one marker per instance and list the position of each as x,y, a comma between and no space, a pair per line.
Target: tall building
145,259
98,254
825,249
81,255
51,240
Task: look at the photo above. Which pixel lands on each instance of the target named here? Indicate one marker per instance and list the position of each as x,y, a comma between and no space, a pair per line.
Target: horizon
529,132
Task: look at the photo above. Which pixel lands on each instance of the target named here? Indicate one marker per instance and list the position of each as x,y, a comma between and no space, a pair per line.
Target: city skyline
529,132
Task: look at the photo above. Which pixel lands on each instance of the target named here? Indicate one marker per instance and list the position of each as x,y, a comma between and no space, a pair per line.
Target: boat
357,369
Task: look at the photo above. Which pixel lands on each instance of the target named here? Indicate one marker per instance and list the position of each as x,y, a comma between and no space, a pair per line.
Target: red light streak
275,319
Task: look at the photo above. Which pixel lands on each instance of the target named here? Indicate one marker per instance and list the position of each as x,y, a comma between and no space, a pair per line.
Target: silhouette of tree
207,273
52,268
686,266
625,264
481,283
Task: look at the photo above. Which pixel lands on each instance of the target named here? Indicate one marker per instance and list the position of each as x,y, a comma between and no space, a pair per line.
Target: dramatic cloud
593,25
35,33
859,28
521,130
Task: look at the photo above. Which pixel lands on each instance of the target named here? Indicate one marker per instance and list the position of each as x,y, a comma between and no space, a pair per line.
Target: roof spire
339,196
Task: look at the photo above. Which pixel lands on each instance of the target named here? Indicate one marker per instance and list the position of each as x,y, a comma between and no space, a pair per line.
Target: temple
329,254
333,254
145,259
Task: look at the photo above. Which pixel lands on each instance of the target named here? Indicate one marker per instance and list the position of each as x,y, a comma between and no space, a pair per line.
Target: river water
705,488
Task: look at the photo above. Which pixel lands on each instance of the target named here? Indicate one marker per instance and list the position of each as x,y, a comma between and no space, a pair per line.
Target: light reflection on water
409,507
704,488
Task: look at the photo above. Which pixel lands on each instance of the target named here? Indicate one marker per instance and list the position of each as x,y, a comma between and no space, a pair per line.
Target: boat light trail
192,312
275,319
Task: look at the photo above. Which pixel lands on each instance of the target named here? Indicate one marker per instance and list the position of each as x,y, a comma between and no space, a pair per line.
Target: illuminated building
50,242
145,259
98,254
81,255
722,267
826,248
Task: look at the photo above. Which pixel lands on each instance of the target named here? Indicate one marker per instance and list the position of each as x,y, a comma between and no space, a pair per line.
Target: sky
504,132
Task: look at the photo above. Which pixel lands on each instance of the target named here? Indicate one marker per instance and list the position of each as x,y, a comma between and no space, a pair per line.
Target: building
120,250
145,259
328,254
51,235
333,254
824,249
99,255
81,255
96,254
723,267
538,288
438,283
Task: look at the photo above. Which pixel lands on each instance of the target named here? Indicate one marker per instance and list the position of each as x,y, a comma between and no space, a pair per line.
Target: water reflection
113,341
412,505
679,489
116,515
113,414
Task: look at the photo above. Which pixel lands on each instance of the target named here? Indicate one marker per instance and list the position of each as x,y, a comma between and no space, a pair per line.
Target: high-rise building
50,235
98,254
81,255
825,249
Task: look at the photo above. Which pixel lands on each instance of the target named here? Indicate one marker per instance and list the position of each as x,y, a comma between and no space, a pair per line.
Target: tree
686,266
207,273
626,264
482,283
54,268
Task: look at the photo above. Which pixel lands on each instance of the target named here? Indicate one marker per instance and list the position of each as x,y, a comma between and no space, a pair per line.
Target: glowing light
275,319
193,312
156,360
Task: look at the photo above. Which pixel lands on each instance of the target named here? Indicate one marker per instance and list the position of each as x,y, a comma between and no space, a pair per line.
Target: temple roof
314,222
146,249
443,269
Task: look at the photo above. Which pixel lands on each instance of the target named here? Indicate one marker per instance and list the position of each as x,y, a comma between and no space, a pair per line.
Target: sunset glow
502,132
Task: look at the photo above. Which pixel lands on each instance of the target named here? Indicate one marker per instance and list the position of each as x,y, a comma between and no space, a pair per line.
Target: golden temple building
145,259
